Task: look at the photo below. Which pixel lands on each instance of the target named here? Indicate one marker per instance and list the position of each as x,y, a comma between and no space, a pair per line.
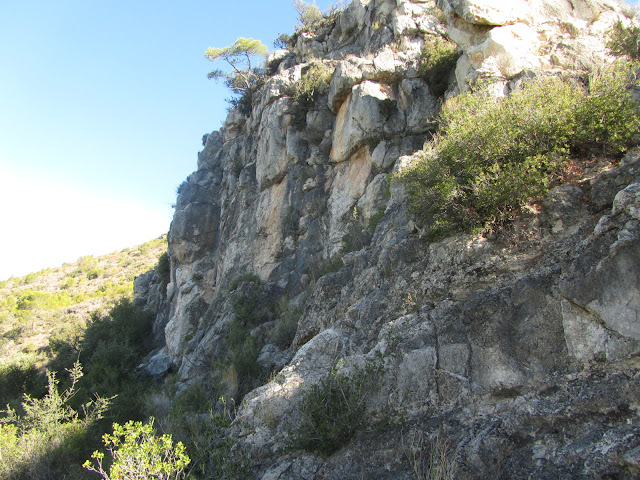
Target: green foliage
36,300
495,155
112,347
95,273
624,41
137,453
437,60
311,19
251,307
333,410
246,278
331,265
244,79
607,118
314,82
163,268
308,13
284,41
358,233
213,453
50,434
287,324
16,378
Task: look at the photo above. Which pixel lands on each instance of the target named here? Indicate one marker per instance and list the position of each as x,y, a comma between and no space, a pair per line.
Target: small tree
308,13
138,454
238,55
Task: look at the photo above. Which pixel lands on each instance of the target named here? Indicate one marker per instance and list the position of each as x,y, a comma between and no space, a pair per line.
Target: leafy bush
311,19
16,378
358,233
138,454
113,346
437,59
50,435
163,268
287,324
495,155
334,409
313,83
309,14
624,41
251,307
284,41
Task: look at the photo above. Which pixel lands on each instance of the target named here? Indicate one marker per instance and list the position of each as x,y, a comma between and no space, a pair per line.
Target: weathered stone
157,365
491,342
360,119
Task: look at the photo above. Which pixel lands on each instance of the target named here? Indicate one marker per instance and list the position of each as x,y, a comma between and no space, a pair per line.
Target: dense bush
624,41
333,410
251,306
112,347
495,155
163,268
313,83
438,58
16,378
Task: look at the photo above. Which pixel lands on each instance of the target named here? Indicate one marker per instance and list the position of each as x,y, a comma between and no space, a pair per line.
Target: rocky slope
520,351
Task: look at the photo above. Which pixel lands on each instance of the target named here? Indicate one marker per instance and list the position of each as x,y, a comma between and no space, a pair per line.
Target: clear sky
103,105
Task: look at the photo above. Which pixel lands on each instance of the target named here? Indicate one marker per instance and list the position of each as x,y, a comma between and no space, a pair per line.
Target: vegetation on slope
493,156
70,339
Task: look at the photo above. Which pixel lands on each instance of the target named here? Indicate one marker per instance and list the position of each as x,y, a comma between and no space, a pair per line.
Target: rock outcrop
521,350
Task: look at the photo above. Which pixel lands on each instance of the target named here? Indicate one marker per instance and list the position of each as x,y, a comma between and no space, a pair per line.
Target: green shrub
330,265
311,19
112,347
287,324
495,155
624,41
284,41
246,278
309,14
313,83
17,378
437,60
333,410
137,453
47,439
213,452
163,268
95,273
251,307
358,233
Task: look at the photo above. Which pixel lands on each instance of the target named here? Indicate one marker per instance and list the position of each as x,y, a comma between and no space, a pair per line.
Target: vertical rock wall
490,341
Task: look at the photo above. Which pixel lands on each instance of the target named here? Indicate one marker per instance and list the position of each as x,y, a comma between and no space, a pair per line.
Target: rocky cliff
518,351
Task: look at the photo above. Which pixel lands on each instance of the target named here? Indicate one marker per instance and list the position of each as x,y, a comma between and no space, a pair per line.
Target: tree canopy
238,55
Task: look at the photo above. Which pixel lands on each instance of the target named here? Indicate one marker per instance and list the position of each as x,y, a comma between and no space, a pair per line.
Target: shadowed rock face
520,350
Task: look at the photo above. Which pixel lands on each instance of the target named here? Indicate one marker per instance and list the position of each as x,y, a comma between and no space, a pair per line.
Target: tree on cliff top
238,55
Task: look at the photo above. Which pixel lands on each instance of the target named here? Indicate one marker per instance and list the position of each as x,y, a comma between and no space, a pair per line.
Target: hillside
56,303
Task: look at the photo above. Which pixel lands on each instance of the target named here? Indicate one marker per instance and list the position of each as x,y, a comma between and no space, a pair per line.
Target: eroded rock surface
520,350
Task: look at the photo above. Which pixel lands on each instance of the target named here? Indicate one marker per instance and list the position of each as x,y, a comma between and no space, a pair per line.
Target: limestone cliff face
521,349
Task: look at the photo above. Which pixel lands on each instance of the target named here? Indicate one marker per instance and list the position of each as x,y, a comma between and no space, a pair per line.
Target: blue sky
103,105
